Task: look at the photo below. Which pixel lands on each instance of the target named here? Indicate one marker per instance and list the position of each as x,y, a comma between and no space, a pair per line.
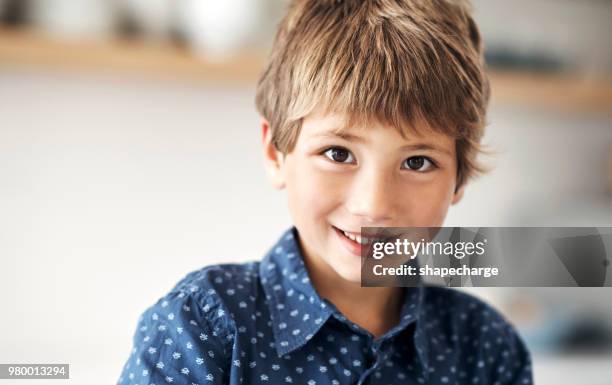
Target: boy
372,112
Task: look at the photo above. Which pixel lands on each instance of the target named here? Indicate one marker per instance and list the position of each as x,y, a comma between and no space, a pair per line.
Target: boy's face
370,176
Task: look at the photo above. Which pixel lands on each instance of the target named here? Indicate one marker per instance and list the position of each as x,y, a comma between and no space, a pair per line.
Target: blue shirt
264,323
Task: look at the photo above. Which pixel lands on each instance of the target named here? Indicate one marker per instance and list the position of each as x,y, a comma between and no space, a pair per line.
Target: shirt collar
298,312
296,309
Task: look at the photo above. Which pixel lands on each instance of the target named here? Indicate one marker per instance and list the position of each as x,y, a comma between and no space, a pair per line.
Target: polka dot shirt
264,323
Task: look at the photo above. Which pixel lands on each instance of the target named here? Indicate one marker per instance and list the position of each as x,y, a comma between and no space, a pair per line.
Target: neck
376,309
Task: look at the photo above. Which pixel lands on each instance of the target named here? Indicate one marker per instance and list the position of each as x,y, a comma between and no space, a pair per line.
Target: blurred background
129,156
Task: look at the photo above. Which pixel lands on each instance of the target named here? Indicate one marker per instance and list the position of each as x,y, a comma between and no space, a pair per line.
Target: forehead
351,127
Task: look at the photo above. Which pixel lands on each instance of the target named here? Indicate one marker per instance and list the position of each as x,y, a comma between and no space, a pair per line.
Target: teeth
356,237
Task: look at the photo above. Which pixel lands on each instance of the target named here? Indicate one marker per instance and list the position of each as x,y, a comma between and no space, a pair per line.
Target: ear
273,159
458,194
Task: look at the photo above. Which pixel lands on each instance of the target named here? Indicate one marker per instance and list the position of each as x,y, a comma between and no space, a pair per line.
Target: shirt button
371,356
374,352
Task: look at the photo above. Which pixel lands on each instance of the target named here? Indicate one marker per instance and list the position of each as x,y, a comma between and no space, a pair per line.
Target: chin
349,274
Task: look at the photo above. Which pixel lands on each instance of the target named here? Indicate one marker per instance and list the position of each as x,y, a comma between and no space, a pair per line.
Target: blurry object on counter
75,19
14,13
146,18
539,33
586,334
551,326
502,58
217,29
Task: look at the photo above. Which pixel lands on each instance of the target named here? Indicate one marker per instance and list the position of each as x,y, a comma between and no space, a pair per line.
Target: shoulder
190,329
215,280
209,296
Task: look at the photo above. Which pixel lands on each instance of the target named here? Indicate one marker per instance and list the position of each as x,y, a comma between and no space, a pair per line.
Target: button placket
373,357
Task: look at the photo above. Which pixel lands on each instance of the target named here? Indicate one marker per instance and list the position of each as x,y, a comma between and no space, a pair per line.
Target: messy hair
397,62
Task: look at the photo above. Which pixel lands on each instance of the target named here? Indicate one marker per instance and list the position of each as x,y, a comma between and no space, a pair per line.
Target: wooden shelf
23,48
157,59
569,92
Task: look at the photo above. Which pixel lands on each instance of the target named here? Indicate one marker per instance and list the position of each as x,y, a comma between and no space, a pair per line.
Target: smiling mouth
356,238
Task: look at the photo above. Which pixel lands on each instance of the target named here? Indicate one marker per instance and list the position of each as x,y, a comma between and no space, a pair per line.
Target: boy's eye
339,155
418,163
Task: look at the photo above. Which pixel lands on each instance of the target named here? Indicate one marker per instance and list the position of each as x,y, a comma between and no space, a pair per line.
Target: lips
352,241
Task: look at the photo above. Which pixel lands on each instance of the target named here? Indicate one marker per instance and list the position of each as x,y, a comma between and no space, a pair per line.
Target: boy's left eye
418,163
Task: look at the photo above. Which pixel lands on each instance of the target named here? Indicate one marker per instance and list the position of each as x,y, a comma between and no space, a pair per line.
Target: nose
372,197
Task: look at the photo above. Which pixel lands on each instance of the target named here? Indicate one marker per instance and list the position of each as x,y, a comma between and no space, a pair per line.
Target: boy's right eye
339,155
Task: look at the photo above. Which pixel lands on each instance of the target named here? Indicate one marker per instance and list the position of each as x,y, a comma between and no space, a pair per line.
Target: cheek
427,205
312,192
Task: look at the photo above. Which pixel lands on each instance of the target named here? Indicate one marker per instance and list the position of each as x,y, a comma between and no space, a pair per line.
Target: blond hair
393,61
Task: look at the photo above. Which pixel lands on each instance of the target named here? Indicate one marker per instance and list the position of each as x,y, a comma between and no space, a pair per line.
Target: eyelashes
339,155
342,155
419,163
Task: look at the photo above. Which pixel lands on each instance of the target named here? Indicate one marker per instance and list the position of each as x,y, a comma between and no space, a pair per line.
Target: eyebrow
341,135
425,146
412,147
